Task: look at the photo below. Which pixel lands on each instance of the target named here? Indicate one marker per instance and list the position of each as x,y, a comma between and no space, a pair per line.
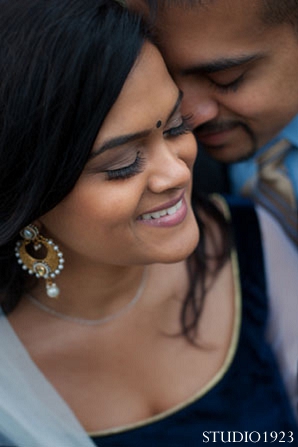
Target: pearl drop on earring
52,290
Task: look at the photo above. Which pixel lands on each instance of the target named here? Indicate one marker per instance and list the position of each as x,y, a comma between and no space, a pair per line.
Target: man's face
239,76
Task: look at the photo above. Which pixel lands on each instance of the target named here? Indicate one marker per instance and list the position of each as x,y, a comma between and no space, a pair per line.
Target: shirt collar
290,132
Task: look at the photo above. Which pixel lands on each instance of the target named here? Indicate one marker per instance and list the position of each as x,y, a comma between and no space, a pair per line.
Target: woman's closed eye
138,164
129,161
127,171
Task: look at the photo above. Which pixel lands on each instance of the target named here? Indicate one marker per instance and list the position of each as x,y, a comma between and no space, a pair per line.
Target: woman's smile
171,213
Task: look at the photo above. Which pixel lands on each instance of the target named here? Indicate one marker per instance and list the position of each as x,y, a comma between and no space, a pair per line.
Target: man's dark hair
276,12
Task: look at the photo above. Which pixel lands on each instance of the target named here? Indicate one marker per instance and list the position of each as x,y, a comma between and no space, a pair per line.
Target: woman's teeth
158,214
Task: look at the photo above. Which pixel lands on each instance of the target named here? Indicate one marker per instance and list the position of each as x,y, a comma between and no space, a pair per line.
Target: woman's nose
172,169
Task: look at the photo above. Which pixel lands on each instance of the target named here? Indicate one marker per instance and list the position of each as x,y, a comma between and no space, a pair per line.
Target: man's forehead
227,18
205,5
152,7
155,5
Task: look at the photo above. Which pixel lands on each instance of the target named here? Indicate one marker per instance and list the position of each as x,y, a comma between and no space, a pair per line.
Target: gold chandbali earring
40,257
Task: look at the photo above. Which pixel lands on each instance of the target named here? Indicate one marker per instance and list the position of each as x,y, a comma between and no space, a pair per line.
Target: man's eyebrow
128,138
221,64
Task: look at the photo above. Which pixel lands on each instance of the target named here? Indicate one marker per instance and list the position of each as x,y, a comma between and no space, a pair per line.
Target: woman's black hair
63,64
204,265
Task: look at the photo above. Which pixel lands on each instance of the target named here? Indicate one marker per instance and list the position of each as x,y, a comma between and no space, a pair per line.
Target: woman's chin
183,247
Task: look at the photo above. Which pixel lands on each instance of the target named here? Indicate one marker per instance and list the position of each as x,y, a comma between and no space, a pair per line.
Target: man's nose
199,104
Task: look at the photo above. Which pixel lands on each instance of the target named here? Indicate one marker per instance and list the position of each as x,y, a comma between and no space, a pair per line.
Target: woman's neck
93,293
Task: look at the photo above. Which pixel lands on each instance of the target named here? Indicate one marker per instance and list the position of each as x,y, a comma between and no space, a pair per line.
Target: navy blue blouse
247,397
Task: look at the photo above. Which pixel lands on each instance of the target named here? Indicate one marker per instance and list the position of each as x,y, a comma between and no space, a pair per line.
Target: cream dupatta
31,412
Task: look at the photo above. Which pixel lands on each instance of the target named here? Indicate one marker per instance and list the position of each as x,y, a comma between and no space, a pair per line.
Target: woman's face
131,205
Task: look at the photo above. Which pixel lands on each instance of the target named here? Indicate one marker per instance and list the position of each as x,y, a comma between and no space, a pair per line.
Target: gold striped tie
273,189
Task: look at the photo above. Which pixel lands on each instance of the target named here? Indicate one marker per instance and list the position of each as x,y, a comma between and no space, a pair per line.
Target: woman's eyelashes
127,171
183,127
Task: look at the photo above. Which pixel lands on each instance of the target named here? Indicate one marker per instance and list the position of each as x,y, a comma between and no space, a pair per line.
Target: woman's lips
167,216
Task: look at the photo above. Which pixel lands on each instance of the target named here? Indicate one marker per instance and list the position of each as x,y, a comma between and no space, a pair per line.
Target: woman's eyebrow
119,141
128,138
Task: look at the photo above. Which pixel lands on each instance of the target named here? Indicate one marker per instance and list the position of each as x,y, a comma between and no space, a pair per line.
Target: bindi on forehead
158,124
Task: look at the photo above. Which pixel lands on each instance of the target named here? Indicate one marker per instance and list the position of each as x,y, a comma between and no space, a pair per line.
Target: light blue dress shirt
240,173
279,251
